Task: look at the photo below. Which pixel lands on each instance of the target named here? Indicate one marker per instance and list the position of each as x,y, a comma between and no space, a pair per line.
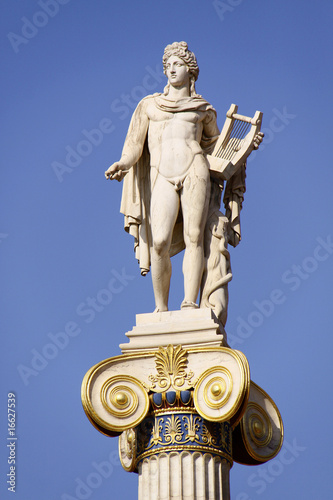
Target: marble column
183,411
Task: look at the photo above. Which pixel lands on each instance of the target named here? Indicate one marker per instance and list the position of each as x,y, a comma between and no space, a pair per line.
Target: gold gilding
187,447
217,391
127,449
171,366
121,401
215,387
261,441
259,425
124,398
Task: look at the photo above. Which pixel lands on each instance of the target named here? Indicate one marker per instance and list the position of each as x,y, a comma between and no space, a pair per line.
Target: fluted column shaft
184,476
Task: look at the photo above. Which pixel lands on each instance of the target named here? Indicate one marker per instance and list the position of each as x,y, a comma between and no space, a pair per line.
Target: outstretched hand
117,171
258,140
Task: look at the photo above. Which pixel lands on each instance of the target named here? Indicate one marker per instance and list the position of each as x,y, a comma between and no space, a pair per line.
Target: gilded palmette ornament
171,366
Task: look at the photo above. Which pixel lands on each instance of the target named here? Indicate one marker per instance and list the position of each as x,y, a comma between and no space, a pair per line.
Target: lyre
234,144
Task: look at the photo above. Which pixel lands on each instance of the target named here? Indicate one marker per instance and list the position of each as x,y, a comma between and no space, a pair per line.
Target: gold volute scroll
259,435
127,449
119,403
221,392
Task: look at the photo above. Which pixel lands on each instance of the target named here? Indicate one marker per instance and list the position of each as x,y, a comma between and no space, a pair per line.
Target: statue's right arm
134,143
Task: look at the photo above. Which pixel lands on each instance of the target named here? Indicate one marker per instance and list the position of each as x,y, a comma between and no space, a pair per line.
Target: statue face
177,71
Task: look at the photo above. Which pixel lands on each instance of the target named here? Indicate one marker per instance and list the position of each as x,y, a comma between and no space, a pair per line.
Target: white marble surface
190,328
184,476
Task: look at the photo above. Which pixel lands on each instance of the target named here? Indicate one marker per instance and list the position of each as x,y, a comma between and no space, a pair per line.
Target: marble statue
170,199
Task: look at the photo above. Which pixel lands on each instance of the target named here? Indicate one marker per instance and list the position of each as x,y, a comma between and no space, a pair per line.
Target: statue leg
164,212
195,200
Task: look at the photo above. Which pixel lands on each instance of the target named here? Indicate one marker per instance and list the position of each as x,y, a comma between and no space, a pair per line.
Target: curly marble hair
180,49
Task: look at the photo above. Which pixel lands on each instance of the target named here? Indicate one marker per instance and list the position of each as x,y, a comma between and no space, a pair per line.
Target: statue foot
158,310
188,304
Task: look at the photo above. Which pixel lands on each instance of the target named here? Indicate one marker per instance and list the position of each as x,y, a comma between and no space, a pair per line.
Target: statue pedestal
183,406
189,328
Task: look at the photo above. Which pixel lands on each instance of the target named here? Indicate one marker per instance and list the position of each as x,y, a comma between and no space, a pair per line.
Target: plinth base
189,328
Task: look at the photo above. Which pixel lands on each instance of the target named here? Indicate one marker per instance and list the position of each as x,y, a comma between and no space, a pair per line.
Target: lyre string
236,134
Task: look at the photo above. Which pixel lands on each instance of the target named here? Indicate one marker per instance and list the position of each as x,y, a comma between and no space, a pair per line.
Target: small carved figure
217,272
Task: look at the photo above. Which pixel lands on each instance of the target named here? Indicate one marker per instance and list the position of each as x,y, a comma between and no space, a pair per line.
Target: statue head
180,49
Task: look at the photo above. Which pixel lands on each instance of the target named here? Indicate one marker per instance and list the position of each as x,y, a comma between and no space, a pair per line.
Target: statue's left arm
210,131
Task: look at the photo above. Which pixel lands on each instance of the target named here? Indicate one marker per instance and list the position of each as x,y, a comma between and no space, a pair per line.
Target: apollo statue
172,188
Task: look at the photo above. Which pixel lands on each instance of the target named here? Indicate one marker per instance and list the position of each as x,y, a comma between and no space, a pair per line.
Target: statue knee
161,246
194,237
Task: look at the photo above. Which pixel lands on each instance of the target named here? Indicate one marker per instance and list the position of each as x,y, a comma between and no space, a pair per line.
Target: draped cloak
139,181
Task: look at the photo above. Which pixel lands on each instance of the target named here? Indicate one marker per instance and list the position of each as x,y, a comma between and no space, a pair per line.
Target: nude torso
173,140
180,129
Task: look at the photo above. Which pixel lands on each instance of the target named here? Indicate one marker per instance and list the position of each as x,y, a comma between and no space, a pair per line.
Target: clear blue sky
84,67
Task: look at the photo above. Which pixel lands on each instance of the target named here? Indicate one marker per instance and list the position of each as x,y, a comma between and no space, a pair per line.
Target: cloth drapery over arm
233,200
